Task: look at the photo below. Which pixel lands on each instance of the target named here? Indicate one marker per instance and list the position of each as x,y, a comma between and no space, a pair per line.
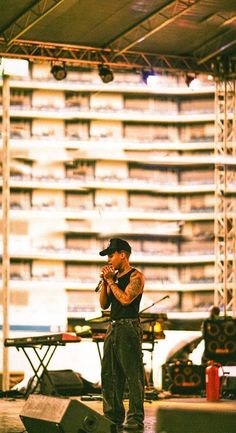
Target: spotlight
191,81
59,72
146,76
105,73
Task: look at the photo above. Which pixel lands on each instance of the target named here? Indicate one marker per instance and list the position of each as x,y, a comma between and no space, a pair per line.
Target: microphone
99,285
101,281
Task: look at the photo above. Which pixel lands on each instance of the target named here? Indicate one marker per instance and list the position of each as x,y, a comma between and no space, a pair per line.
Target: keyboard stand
41,368
97,341
43,351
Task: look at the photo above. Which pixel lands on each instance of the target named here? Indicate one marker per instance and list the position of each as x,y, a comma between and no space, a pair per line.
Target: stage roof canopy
167,35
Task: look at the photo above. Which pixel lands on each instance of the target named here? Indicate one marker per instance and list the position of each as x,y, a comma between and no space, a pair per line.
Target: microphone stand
154,303
150,383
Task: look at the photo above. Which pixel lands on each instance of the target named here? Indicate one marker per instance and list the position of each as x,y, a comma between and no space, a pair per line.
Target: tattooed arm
134,288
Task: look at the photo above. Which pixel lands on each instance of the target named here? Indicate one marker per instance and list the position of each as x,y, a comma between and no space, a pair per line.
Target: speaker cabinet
56,414
195,418
183,377
61,382
220,340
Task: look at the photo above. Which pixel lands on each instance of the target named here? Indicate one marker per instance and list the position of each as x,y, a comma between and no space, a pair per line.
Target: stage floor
10,408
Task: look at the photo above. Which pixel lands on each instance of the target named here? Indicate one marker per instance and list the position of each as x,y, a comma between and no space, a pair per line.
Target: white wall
83,357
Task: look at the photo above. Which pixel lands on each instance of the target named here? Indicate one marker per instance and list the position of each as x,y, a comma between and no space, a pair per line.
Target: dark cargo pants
123,361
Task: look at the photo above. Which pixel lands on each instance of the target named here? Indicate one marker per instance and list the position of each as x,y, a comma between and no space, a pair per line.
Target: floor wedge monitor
56,414
196,417
61,382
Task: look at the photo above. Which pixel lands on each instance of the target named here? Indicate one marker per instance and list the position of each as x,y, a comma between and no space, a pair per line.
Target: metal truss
27,20
91,56
117,52
159,19
225,197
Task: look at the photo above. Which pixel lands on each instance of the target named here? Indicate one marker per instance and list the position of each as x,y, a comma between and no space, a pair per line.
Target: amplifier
220,340
183,377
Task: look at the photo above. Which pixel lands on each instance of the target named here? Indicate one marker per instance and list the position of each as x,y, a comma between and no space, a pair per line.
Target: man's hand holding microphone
107,272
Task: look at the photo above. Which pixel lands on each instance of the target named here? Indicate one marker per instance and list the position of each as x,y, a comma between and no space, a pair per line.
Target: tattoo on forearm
133,289
116,291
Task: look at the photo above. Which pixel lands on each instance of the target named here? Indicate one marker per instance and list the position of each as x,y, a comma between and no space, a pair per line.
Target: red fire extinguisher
212,381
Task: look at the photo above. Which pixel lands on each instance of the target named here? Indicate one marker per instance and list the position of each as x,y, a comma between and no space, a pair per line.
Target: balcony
109,183
22,140
124,115
52,252
22,282
92,83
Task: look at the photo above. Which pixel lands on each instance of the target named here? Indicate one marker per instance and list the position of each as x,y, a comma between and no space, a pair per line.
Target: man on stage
122,363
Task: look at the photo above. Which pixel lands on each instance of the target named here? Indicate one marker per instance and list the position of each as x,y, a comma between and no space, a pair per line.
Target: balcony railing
113,114
120,84
89,283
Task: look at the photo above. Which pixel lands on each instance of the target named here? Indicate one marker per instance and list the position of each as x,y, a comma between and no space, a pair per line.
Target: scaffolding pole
5,223
225,196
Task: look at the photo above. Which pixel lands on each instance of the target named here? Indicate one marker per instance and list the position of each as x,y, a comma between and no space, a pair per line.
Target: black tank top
118,311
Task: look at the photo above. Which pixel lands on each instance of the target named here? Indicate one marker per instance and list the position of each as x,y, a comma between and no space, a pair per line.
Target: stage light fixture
105,73
59,72
191,81
146,75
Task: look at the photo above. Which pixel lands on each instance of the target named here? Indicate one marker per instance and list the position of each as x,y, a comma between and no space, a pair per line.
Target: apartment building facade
90,161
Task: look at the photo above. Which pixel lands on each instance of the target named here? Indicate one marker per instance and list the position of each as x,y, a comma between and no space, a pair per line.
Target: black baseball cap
116,244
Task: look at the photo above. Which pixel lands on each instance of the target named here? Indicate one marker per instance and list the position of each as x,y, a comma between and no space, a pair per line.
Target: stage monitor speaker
195,417
183,377
56,414
61,382
220,340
